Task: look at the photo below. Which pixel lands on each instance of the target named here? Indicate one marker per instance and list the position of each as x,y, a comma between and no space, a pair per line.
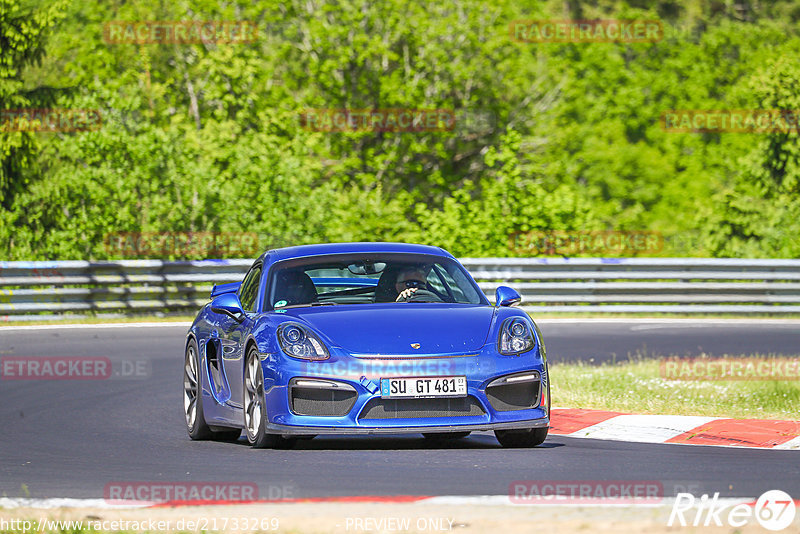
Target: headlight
299,342
515,337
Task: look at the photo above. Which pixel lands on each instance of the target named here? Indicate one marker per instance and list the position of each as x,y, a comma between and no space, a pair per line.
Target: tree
759,215
23,34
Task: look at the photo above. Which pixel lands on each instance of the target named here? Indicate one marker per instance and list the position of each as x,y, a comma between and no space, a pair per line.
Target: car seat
294,287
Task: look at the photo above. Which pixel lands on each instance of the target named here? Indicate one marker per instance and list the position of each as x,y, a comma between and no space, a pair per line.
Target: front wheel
255,407
530,437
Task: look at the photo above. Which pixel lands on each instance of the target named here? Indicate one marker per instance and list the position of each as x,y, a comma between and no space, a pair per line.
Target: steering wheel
422,295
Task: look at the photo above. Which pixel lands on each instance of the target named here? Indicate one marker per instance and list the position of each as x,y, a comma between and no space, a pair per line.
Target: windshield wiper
318,303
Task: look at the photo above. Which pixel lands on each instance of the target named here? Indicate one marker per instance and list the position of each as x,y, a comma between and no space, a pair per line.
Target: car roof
352,248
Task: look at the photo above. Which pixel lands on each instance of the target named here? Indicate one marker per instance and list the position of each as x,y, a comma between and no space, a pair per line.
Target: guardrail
130,286
649,285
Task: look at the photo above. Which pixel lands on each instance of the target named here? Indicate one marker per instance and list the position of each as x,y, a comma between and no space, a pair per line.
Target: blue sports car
363,338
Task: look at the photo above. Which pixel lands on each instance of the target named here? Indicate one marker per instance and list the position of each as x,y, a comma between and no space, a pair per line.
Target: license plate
427,386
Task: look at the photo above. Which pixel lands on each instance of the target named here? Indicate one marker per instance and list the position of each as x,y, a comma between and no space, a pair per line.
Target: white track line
89,326
793,444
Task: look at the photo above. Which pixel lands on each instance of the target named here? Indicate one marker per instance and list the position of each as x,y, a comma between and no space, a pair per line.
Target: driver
408,282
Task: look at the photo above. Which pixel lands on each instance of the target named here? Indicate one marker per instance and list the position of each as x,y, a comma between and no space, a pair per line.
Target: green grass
637,387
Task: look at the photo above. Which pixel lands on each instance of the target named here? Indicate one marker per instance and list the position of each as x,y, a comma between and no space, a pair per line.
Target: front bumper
293,430
360,375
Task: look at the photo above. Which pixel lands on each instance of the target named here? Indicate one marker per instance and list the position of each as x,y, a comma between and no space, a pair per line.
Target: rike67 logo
774,510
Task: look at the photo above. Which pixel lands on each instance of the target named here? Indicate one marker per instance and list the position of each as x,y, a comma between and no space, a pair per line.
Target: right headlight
299,342
515,337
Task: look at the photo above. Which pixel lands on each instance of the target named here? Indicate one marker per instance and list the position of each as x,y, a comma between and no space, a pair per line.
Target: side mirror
221,289
228,304
505,296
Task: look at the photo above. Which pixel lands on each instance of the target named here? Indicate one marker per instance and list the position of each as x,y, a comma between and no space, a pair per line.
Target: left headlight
515,337
299,342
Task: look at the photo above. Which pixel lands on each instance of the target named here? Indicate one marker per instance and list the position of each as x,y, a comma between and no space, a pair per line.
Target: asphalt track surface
70,438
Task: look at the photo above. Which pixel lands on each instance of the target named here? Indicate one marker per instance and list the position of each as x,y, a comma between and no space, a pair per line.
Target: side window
462,287
449,286
436,281
249,289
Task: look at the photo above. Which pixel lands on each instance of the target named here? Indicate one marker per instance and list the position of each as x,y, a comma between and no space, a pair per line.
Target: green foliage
481,219
23,33
206,137
759,214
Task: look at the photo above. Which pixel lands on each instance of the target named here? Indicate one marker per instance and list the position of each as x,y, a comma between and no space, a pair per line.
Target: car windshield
369,279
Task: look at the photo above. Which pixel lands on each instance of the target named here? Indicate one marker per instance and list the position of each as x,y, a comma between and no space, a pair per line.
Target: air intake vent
510,396
421,408
322,402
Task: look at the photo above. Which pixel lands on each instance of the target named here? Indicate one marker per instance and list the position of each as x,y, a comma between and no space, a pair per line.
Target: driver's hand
406,294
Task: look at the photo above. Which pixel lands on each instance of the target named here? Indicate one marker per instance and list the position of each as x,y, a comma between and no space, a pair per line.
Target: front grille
322,402
509,397
420,408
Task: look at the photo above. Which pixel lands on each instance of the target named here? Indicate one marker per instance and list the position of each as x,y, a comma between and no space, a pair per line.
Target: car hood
391,329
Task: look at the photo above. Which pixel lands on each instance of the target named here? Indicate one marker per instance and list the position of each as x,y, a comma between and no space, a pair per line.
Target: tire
521,439
192,394
192,400
525,438
255,409
445,436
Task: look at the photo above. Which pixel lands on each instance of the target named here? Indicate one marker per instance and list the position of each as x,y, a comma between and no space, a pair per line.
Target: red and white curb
680,429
